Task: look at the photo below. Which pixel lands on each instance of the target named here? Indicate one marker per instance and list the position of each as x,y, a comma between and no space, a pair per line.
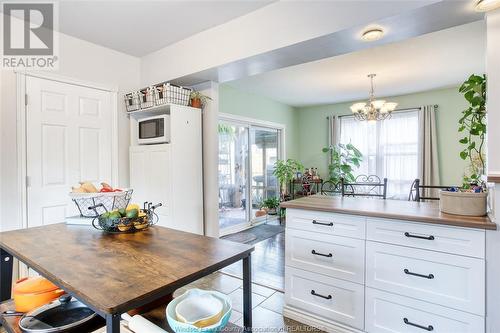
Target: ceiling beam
431,18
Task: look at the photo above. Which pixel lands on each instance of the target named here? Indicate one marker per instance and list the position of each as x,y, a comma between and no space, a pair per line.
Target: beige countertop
427,212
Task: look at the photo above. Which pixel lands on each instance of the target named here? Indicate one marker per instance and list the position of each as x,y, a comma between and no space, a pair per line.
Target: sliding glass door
264,153
233,169
247,154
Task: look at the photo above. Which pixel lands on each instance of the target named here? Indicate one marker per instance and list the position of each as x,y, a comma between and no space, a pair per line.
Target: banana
88,187
77,190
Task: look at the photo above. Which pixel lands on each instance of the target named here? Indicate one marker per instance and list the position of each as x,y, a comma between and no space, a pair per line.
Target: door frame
249,122
22,108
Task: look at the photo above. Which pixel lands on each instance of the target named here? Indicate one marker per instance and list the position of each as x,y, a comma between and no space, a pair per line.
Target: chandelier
374,109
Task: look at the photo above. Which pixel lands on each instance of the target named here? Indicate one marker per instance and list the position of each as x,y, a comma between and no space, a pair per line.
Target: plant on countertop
342,160
198,99
285,171
272,203
473,125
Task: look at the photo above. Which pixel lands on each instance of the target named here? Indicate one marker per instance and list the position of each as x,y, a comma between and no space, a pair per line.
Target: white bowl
199,308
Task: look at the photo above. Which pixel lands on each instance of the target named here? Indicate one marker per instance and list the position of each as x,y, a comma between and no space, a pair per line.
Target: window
390,149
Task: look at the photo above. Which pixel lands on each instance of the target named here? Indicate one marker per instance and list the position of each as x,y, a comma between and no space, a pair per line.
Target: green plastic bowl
180,327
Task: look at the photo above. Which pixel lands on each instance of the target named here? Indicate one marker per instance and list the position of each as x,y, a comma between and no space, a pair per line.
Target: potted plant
198,100
342,161
285,171
471,198
272,205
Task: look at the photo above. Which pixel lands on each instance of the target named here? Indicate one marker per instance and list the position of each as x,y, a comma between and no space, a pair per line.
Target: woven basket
463,203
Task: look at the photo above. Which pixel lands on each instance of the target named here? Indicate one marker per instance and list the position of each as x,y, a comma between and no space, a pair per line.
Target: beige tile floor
267,304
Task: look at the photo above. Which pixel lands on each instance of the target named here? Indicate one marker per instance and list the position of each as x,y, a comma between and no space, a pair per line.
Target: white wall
210,158
79,60
263,30
493,107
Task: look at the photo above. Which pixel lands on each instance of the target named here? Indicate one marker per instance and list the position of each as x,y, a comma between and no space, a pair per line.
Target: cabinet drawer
468,242
335,256
326,223
445,279
330,298
386,313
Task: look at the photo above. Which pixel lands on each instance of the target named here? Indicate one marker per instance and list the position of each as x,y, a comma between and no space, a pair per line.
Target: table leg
247,294
113,323
6,265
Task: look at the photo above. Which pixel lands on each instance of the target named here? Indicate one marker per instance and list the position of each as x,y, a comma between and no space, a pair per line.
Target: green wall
313,129
306,127
237,102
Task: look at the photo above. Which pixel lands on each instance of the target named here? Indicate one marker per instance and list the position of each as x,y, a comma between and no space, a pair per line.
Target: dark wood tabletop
392,209
113,273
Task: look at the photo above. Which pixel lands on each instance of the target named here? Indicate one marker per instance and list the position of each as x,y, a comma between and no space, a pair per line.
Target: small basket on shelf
94,204
166,93
126,221
147,97
132,101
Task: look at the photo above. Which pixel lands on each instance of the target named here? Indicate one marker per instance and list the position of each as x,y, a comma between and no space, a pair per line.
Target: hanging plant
342,161
473,125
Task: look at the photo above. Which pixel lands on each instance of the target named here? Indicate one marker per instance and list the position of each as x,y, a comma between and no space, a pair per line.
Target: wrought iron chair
330,188
365,186
420,192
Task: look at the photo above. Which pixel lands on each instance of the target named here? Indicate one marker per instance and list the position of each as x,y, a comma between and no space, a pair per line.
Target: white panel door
68,140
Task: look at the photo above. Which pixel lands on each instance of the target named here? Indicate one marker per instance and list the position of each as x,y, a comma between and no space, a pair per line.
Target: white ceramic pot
463,203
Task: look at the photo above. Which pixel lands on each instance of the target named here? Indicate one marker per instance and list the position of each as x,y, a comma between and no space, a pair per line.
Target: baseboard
317,322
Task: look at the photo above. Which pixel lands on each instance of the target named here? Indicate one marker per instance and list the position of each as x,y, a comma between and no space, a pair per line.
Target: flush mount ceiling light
374,109
372,35
486,5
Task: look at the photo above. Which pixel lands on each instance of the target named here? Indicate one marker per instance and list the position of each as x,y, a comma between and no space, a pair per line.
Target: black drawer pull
430,276
329,255
319,295
321,223
427,328
407,234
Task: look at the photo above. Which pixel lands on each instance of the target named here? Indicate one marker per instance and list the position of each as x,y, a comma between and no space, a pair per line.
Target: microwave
153,130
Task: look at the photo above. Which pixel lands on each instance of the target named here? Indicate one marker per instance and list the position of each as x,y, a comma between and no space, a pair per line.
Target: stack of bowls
199,311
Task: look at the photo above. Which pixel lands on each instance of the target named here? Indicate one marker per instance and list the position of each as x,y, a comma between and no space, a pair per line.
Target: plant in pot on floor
198,100
271,204
342,160
471,198
285,171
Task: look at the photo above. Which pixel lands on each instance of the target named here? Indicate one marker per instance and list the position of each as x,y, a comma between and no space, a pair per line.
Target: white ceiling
441,59
141,27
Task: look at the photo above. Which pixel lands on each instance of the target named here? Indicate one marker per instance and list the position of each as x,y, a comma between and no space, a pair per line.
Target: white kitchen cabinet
467,242
389,313
446,279
172,173
404,276
335,256
151,180
330,298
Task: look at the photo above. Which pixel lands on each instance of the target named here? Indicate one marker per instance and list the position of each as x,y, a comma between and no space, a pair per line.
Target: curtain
333,130
428,168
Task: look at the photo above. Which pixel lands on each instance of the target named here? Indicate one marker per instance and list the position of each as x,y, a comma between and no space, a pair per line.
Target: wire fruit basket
115,222
95,204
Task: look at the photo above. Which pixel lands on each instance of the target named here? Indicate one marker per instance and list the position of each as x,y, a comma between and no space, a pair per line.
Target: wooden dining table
116,273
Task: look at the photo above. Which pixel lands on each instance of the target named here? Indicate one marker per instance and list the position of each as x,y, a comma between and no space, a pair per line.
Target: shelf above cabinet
154,110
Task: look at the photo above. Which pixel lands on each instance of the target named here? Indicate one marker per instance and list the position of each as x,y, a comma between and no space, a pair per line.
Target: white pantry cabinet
354,273
172,173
